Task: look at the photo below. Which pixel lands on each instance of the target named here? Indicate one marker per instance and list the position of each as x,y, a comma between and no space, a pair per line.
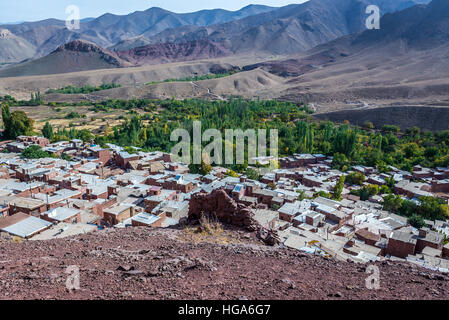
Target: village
50,198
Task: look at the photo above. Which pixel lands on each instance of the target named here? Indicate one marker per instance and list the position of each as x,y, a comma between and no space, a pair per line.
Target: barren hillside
140,263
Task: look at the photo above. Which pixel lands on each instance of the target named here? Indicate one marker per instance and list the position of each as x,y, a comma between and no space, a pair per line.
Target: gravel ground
140,263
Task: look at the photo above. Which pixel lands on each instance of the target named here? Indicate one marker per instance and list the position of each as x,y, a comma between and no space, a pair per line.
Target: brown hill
75,56
172,52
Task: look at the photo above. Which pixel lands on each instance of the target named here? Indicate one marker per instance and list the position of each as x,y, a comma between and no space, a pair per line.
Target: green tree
339,161
252,174
392,203
34,152
47,131
416,221
355,177
6,116
16,124
338,189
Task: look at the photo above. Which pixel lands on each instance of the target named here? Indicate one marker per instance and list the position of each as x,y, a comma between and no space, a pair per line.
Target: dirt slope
139,263
14,48
78,55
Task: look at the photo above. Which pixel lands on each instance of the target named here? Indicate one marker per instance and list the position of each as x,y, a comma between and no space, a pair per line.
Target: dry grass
210,230
95,122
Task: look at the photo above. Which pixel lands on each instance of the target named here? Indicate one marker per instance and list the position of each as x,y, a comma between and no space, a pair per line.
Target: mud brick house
440,186
277,202
158,179
154,167
160,196
103,155
363,169
59,197
154,191
99,190
33,207
16,147
147,220
268,178
117,214
412,189
123,158
428,238
264,196
55,150
172,209
312,181
238,192
446,251
290,210
4,143
311,218
331,213
248,201
101,204
368,237
266,218
30,140
209,178
297,160
71,182
443,173
23,189
32,172
184,183
401,244
23,225
62,214
373,179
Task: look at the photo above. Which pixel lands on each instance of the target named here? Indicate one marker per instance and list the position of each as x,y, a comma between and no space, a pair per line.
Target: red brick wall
400,249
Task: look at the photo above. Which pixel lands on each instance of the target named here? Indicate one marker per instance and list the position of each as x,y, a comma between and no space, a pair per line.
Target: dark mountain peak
254,6
169,52
83,46
156,9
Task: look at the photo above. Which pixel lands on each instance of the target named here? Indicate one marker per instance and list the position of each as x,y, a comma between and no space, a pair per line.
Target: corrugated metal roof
27,227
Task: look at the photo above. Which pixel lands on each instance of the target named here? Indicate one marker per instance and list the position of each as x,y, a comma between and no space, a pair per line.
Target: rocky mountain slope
140,263
75,56
406,59
283,30
108,29
173,52
289,29
13,48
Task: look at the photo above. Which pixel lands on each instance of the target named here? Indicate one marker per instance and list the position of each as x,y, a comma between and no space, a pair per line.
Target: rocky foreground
140,263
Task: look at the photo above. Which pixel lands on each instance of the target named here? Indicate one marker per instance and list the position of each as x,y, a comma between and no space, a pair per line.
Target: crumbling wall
219,205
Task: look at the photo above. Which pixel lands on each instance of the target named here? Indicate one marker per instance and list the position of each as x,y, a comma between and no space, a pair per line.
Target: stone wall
218,204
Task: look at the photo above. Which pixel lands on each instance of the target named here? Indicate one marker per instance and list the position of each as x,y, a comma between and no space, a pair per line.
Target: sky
34,10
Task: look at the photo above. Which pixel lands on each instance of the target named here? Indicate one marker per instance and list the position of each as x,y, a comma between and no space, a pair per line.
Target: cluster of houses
111,188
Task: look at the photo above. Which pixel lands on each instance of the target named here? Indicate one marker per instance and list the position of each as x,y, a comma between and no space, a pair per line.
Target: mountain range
318,52
108,30
284,30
